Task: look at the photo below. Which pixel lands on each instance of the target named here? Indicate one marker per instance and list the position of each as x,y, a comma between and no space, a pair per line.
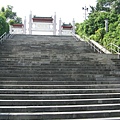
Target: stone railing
4,37
96,46
114,49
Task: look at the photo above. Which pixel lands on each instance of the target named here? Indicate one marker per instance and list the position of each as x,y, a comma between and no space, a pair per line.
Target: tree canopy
8,17
94,26
4,27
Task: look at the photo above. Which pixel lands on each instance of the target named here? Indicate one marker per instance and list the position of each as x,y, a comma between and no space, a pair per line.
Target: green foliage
18,20
8,15
99,35
2,9
11,22
108,5
4,27
94,26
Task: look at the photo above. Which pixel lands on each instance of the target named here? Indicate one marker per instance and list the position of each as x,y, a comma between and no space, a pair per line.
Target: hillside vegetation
8,17
94,26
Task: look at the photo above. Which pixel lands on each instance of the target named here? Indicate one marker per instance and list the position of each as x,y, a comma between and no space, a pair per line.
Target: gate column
60,27
54,26
30,23
25,25
73,26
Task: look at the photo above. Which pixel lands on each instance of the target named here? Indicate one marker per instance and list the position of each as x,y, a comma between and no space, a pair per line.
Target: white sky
65,9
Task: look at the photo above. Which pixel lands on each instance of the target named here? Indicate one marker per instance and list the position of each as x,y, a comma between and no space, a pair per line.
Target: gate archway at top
43,24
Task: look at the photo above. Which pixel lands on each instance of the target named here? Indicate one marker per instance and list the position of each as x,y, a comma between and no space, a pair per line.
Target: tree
11,22
4,27
8,16
18,20
2,9
108,5
94,26
115,7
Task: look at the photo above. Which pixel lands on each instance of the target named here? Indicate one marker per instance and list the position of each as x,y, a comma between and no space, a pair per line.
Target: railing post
25,25
118,52
54,25
5,36
60,29
73,29
111,47
94,47
30,23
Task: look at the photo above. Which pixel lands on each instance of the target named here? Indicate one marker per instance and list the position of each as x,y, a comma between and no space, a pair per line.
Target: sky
67,10
64,9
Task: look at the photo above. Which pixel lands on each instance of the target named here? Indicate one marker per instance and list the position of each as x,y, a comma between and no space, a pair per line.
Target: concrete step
60,108
50,102
87,86
52,81
59,72
64,96
61,115
56,78
58,91
30,69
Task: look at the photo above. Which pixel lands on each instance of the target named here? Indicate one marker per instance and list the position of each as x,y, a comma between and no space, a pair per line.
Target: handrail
96,46
92,45
10,35
4,37
117,50
88,41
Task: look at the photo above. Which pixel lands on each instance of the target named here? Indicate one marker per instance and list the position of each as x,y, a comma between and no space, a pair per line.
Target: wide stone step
49,102
51,75
41,55
58,91
60,108
60,115
33,81
94,86
47,62
57,69
57,72
62,68
28,96
107,118
45,78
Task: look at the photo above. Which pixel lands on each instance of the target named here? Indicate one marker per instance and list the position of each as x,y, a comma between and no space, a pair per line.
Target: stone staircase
57,78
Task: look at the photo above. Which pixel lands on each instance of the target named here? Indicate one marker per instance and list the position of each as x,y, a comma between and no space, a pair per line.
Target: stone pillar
10,29
25,25
54,25
30,23
73,29
60,29
106,25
